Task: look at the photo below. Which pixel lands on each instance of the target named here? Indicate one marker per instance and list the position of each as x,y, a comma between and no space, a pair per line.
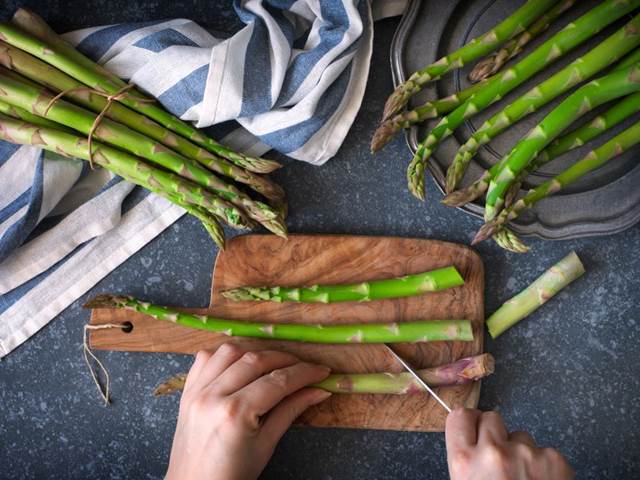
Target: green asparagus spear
574,139
465,370
535,295
508,240
478,47
39,101
617,84
388,128
47,46
120,163
57,81
594,159
209,222
494,62
570,37
610,50
424,331
29,117
406,286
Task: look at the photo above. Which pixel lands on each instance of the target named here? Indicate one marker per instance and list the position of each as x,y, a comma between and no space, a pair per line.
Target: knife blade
424,385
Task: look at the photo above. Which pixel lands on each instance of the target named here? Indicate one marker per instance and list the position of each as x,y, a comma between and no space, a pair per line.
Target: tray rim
537,228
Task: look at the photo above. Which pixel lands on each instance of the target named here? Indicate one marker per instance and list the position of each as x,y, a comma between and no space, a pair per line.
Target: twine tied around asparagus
119,95
104,391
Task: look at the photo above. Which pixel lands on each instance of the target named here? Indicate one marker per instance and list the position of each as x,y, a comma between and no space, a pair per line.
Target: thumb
282,416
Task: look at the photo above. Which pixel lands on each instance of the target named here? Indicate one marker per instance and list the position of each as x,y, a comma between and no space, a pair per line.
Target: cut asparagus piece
478,47
57,81
567,39
406,286
615,85
42,42
535,295
422,331
606,53
594,159
39,101
465,370
121,163
494,62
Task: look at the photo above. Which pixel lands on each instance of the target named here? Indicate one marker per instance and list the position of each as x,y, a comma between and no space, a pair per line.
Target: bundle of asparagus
54,97
501,183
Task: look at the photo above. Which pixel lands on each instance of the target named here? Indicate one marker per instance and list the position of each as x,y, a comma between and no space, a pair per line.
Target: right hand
479,447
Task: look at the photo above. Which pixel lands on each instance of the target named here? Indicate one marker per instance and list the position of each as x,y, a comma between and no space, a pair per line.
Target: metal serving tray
604,202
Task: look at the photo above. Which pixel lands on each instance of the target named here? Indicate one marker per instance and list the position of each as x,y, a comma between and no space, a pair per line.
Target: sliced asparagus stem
573,35
594,159
535,295
478,47
508,240
48,46
406,286
574,139
39,102
57,81
389,127
121,163
615,85
494,62
423,331
465,370
606,53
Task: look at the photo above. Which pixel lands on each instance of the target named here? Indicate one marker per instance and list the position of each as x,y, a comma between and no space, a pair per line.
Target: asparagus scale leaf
478,47
535,295
420,331
465,370
406,286
567,39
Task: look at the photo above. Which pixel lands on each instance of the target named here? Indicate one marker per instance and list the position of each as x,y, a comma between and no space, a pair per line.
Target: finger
522,437
491,428
194,372
461,430
249,367
283,415
269,390
226,355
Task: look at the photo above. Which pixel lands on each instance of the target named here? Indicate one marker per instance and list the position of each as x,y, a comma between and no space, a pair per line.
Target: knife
408,368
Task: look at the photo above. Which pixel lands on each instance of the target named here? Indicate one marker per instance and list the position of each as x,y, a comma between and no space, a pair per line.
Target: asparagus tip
382,136
172,385
487,230
105,300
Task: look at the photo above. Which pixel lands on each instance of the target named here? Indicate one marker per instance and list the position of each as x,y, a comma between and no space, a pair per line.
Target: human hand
235,407
479,447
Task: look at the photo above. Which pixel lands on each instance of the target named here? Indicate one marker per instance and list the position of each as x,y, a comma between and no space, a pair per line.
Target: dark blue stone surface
569,374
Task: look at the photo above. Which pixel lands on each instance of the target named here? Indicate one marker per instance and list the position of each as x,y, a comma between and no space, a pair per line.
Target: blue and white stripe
292,79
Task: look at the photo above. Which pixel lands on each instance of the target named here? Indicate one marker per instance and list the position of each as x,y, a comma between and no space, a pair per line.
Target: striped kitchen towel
291,80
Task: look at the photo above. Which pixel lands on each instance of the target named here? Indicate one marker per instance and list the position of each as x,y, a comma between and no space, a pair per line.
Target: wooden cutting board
333,259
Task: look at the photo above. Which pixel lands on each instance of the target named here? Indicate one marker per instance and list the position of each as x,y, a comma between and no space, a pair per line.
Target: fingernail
325,368
320,396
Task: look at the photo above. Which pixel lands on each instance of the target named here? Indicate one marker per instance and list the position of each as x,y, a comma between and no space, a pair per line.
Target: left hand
235,407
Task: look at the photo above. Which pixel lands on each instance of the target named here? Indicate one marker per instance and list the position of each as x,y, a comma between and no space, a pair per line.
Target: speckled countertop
570,374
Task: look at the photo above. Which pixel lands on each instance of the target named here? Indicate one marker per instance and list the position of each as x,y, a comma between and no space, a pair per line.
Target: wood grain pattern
332,259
